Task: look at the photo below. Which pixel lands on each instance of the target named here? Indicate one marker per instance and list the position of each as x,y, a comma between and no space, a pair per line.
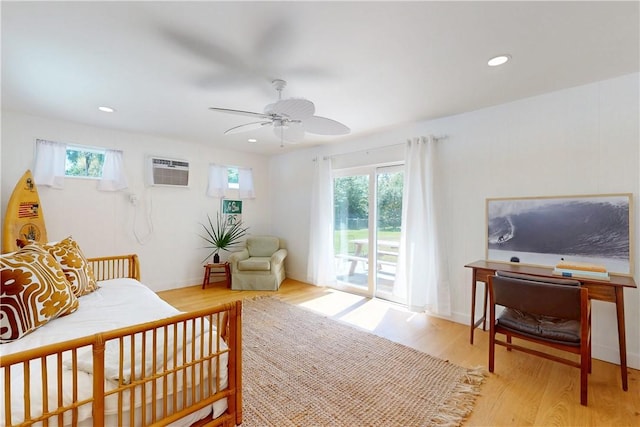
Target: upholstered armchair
259,266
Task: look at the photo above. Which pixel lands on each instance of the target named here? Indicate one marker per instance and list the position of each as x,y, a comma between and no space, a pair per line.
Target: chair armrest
236,257
279,256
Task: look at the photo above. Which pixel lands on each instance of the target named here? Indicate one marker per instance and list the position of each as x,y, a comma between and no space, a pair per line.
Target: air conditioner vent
169,172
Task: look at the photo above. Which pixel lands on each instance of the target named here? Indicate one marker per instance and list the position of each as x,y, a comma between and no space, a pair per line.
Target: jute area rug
303,369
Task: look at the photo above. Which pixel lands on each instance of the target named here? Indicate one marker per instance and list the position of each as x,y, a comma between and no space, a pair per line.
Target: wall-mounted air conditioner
167,172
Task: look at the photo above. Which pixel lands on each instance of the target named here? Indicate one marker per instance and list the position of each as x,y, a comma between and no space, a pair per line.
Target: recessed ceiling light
498,60
252,140
107,109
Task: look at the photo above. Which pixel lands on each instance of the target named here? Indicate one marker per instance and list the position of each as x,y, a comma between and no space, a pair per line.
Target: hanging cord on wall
144,239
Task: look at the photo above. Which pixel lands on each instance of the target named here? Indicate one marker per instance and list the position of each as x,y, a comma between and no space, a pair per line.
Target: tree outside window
84,162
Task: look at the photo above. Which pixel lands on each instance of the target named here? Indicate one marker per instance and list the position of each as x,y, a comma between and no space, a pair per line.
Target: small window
84,161
233,177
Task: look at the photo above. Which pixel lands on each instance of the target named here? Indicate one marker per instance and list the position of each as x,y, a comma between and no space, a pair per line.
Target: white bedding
117,303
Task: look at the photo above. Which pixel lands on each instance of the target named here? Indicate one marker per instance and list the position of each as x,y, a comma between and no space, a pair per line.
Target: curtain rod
366,151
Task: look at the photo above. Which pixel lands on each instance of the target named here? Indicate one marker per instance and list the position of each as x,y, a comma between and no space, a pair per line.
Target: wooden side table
217,270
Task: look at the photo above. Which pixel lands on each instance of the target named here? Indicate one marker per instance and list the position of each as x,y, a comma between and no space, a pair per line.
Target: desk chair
547,311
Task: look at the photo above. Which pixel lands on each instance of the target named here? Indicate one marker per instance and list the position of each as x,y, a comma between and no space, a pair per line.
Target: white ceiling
370,65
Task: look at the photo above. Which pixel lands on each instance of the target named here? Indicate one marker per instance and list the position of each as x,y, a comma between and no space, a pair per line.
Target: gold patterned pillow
34,291
76,268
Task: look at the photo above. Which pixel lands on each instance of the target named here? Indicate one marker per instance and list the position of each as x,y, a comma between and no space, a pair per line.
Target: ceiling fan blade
240,112
324,126
217,53
292,132
246,127
295,108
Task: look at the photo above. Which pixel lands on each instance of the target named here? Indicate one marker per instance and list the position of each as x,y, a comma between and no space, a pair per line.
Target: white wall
103,223
583,140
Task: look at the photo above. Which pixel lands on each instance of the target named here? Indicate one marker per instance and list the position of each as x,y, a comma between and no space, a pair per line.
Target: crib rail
115,267
165,369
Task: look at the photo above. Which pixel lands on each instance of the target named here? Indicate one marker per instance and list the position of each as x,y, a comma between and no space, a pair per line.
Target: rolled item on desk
580,266
598,275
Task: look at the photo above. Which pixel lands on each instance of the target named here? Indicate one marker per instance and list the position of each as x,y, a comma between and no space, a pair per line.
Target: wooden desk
218,270
609,291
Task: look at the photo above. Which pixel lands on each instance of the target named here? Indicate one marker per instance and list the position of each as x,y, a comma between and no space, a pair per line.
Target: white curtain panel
320,264
422,276
49,164
113,176
245,184
218,180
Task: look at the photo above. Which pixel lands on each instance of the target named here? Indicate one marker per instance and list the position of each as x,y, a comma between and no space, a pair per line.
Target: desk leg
482,320
473,307
484,310
622,340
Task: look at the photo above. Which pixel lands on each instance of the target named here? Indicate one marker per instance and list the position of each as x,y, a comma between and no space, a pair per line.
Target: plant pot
216,259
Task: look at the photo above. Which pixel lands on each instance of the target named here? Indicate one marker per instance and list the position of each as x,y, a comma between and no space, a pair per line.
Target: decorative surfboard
24,218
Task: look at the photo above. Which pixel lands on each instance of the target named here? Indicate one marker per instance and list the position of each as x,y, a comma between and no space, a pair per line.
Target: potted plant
222,235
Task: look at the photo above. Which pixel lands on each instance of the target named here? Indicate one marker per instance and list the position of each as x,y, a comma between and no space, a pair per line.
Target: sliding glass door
388,200
351,195
367,214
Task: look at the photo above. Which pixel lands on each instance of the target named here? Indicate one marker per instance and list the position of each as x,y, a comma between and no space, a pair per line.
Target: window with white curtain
55,161
222,178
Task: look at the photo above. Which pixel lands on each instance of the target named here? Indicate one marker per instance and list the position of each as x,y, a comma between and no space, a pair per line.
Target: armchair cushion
255,263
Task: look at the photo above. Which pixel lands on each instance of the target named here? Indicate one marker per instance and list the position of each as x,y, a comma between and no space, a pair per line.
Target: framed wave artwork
546,230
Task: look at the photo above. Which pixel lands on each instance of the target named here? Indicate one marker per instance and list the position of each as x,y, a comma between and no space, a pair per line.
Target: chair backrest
263,246
538,295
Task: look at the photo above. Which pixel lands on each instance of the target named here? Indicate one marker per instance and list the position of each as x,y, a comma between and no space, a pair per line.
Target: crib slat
7,394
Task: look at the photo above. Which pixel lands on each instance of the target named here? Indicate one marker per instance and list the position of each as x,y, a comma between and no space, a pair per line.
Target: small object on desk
581,270
217,270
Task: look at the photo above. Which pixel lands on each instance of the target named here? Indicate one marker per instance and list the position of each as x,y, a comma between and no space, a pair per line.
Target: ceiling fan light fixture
278,123
498,60
290,118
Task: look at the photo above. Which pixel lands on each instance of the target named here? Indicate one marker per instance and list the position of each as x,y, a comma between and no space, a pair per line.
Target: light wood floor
524,390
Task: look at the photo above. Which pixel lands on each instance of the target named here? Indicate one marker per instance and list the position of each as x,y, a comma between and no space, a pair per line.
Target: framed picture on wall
594,229
231,207
232,211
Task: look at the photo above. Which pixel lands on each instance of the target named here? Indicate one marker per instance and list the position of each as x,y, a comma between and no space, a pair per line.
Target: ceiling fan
290,118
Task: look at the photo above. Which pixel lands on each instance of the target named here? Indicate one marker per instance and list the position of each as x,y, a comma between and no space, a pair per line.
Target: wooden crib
184,368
